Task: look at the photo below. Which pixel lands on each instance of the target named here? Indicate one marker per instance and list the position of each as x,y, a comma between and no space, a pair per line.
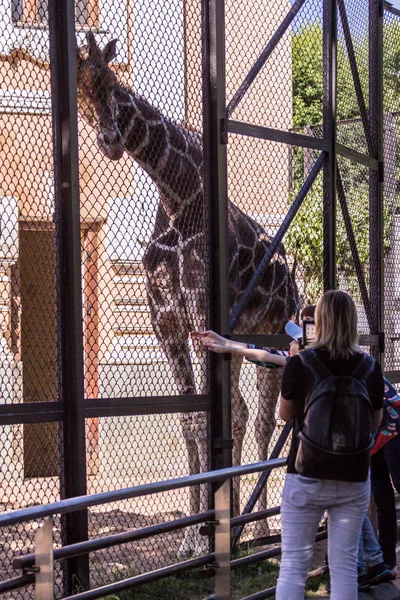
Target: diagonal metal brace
272,248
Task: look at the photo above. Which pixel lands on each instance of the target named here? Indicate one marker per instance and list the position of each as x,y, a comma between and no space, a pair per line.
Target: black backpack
335,438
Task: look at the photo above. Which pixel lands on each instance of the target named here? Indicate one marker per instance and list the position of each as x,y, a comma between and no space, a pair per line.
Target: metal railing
36,567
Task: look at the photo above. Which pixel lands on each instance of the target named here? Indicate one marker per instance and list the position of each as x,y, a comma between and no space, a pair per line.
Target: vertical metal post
215,182
223,540
44,578
376,177
67,216
329,132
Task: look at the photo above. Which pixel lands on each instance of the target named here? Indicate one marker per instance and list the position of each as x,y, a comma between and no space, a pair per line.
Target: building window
35,12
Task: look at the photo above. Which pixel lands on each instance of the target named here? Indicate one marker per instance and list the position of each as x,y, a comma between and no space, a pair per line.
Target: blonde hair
336,325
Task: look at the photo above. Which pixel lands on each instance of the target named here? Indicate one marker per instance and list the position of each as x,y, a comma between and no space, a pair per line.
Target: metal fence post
67,216
44,578
329,132
223,540
215,183
376,177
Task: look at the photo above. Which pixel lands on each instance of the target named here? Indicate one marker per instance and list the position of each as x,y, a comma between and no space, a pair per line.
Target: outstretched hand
212,341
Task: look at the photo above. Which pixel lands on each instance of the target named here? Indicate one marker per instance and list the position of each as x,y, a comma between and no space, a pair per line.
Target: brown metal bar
277,340
358,157
68,231
146,405
329,133
257,516
376,177
277,135
16,583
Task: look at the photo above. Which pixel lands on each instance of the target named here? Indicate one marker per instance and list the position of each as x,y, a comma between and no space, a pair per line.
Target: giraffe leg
240,415
172,331
268,384
194,542
194,431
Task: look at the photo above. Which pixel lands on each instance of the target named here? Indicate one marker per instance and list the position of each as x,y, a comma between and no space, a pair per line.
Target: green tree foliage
307,67
391,66
305,236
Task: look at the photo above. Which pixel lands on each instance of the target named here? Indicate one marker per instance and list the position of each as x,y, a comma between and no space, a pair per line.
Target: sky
396,3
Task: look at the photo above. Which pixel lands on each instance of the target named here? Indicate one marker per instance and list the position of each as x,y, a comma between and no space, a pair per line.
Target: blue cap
293,330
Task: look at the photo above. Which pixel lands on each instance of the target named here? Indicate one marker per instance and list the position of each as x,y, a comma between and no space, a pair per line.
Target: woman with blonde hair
320,477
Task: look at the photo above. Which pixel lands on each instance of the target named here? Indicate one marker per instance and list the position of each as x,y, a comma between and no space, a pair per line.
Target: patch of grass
192,586
253,578
315,588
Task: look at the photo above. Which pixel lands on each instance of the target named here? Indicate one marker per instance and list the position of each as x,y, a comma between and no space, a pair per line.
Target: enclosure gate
80,373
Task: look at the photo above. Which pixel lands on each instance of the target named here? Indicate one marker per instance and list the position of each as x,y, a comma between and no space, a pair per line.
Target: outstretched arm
217,343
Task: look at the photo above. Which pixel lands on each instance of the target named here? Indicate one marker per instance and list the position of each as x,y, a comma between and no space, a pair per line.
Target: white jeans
303,503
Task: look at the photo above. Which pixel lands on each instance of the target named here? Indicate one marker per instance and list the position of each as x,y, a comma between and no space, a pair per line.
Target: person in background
372,569
377,559
385,473
306,498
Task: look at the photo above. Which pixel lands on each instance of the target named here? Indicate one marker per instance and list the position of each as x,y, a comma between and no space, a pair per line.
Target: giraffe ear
110,51
91,40
81,53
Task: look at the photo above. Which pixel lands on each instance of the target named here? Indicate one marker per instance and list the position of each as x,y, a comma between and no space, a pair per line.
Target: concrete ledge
384,591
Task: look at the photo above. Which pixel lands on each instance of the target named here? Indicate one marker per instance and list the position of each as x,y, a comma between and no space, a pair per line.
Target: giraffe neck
171,155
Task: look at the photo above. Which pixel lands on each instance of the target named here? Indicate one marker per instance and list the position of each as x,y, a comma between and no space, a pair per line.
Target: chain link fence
144,247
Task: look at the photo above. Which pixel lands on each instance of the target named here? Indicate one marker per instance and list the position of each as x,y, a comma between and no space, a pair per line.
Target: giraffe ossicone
175,260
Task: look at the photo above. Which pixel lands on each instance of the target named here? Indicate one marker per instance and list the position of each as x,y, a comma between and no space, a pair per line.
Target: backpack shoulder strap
364,367
318,369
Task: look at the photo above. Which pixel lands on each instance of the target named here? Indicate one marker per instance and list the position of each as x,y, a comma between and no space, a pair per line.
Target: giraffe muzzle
111,144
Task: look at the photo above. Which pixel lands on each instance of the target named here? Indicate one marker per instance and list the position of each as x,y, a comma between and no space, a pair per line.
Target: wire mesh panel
391,30
151,448
29,351
264,178
144,246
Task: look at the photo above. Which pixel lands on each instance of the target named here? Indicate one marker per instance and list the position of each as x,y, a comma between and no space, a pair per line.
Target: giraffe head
97,103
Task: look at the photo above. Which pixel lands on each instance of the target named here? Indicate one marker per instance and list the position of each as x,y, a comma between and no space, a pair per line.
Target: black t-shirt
297,383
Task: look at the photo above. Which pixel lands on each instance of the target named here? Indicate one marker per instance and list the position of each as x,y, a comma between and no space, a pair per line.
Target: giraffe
175,258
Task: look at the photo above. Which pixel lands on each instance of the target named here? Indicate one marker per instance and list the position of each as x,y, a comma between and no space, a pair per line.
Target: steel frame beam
215,182
329,134
376,177
67,217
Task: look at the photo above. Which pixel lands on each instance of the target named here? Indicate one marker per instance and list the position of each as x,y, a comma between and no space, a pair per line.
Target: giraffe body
176,257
